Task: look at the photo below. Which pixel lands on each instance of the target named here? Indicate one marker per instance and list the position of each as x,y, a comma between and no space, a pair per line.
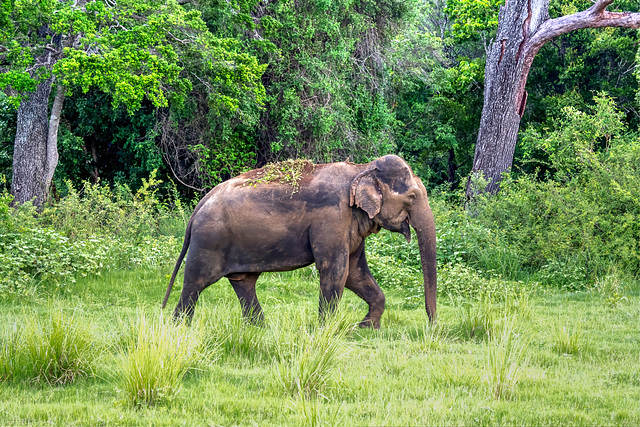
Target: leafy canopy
131,49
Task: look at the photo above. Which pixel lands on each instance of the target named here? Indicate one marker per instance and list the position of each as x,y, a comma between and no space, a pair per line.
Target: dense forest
522,118
208,89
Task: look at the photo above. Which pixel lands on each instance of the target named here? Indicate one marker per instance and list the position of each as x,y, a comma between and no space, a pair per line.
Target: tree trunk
504,94
30,148
523,28
35,153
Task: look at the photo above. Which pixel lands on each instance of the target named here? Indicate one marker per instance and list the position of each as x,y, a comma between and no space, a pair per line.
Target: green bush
582,217
85,235
101,210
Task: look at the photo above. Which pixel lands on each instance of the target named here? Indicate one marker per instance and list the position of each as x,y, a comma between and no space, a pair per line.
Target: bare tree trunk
524,27
35,152
30,148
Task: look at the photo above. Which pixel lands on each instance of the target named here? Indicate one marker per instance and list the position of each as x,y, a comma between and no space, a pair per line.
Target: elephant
249,225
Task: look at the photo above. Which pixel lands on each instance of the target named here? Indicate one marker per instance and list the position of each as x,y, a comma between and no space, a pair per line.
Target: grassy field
525,358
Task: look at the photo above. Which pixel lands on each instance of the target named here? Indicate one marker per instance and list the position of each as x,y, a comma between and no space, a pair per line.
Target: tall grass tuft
158,357
476,318
568,339
505,352
313,414
241,338
503,261
304,369
432,337
55,350
12,359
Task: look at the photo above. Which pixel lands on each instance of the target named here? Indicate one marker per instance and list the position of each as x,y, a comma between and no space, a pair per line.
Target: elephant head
394,198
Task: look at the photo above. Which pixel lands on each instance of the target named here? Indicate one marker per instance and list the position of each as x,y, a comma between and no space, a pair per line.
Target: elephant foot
370,323
255,319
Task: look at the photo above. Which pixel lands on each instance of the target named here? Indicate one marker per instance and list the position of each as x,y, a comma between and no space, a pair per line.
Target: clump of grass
241,338
305,368
518,303
228,332
11,357
160,354
432,337
568,339
451,372
611,287
505,353
56,350
503,261
477,317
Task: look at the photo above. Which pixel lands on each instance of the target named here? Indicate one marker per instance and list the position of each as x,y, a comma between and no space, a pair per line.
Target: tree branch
52,136
594,17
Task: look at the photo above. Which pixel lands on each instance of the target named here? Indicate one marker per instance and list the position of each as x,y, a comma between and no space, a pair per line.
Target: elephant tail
183,252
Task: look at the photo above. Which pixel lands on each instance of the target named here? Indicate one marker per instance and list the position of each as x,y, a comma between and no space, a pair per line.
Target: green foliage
396,265
578,64
575,226
326,78
437,96
129,49
142,54
101,230
474,17
99,142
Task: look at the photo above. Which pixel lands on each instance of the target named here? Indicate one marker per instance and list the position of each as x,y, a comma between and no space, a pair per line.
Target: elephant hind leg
197,277
244,284
362,283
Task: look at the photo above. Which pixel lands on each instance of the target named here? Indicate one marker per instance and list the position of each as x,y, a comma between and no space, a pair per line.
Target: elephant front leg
362,283
332,269
245,287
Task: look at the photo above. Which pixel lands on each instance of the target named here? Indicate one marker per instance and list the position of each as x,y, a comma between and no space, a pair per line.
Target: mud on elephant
251,224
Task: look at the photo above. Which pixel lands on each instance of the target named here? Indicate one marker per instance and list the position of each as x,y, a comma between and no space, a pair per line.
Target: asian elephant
249,225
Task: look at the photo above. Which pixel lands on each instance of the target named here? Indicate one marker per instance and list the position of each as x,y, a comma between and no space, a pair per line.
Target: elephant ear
365,193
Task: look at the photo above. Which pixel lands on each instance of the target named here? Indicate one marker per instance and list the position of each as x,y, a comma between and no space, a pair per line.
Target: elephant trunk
421,220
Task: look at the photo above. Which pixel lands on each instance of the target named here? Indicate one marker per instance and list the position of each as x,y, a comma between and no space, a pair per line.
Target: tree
328,76
130,49
524,26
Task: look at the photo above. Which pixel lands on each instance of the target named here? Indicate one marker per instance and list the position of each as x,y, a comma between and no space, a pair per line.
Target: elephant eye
412,198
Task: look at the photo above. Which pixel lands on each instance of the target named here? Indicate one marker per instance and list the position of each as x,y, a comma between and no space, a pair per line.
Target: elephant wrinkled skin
242,228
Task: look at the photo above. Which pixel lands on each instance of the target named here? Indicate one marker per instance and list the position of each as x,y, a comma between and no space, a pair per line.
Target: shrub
101,210
582,216
102,230
43,255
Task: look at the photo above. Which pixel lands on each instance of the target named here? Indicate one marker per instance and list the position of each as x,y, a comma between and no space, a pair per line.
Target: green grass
532,358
